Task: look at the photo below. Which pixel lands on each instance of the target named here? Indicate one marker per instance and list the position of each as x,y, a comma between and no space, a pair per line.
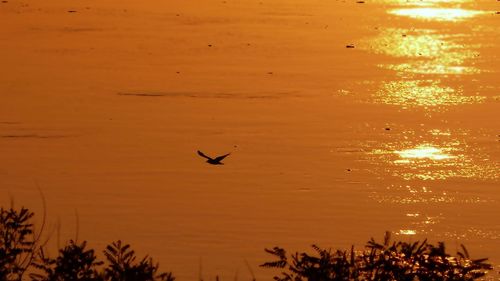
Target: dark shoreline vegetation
23,257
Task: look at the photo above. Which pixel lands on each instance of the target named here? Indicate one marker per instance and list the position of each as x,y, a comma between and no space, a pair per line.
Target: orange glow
428,52
384,113
424,2
407,232
422,93
424,152
437,14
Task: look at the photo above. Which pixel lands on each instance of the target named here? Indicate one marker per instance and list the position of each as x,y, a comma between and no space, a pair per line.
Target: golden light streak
424,3
407,232
424,151
422,93
438,155
427,51
437,14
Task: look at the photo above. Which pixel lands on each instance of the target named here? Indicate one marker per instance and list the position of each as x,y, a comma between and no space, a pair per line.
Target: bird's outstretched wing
219,158
203,155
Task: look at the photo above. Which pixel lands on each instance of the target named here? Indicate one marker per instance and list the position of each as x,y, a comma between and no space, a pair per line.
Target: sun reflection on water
431,67
407,232
437,14
472,233
411,195
424,151
428,64
430,52
420,223
438,132
424,2
434,155
430,56
422,93
427,53
410,43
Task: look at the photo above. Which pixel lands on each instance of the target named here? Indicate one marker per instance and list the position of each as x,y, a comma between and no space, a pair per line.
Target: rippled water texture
343,119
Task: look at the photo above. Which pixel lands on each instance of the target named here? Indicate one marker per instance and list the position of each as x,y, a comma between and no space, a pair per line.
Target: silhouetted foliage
73,263
21,251
122,265
17,243
396,261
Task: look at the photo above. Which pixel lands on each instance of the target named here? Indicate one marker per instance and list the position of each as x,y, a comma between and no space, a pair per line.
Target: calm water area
344,119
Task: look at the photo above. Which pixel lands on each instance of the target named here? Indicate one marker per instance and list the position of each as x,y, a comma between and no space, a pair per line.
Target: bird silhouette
214,161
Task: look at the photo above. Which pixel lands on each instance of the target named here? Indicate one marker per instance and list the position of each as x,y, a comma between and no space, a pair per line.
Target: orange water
105,107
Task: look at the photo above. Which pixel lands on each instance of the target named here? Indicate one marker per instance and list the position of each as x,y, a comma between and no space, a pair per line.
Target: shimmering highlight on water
437,14
423,152
423,2
428,52
444,155
422,93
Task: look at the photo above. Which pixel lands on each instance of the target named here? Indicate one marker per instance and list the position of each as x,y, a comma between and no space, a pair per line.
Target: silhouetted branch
387,261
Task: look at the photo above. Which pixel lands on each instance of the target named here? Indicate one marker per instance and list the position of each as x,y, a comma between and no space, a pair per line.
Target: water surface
104,108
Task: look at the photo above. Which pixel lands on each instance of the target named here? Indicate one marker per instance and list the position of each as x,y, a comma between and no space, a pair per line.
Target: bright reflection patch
433,155
424,151
431,67
407,232
437,14
438,132
428,52
473,233
421,43
410,195
424,2
422,93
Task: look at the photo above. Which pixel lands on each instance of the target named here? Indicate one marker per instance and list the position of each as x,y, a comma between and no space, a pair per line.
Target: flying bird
214,161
